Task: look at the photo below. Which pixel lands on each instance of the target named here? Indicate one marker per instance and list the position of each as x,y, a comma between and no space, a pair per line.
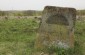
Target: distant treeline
21,13
80,12
30,13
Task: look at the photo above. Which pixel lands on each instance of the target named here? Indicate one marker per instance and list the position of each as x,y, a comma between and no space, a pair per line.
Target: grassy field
80,35
17,36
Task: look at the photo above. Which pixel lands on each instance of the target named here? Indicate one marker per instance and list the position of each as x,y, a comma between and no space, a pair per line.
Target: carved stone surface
56,27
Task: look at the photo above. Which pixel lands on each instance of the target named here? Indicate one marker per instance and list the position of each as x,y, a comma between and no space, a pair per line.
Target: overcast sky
39,4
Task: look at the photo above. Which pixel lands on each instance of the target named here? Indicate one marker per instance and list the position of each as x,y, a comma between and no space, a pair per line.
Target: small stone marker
56,28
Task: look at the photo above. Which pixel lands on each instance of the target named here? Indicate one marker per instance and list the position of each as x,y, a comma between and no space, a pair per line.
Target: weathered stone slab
56,27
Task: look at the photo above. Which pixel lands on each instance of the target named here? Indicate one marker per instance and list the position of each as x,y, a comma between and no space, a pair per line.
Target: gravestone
56,28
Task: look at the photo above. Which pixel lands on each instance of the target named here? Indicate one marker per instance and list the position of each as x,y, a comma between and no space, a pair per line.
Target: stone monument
56,28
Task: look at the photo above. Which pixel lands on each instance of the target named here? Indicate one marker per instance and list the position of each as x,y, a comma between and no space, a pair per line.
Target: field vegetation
17,36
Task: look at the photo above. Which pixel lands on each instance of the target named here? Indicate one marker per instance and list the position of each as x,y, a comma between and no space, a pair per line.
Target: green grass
80,36
17,30
17,37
